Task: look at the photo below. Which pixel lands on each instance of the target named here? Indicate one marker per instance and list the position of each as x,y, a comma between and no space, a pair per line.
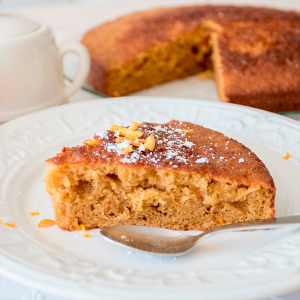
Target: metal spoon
173,243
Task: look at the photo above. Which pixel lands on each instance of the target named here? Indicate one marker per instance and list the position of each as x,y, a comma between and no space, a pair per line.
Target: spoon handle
255,225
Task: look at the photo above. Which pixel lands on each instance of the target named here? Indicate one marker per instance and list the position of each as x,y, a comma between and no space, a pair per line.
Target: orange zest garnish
92,142
135,141
150,142
126,131
127,150
120,139
81,227
34,213
134,126
87,235
287,156
8,224
187,131
220,220
131,134
46,223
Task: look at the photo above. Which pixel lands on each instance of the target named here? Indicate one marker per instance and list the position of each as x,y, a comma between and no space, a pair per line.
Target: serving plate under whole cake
256,264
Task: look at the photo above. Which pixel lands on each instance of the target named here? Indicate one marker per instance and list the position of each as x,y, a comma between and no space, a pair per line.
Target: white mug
31,67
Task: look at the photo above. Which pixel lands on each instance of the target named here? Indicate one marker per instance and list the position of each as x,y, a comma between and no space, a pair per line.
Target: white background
63,26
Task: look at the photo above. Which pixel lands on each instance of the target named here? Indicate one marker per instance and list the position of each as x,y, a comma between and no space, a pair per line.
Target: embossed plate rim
138,101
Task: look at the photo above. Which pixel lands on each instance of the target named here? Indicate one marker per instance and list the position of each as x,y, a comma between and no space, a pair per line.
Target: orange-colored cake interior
254,52
105,195
92,185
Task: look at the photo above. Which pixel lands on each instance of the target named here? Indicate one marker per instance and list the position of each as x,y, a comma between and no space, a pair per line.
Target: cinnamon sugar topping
202,151
160,143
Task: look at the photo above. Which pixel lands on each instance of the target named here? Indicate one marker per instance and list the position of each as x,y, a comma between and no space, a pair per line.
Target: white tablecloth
63,16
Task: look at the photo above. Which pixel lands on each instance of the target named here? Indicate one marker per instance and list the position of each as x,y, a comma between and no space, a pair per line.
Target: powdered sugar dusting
102,134
123,145
177,146
171,144
202,160
142,148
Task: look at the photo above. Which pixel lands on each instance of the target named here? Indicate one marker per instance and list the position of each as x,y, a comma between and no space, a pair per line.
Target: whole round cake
253,52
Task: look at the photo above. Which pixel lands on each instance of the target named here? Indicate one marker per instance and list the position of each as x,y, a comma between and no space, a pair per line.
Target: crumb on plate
8,224
34,213
46,223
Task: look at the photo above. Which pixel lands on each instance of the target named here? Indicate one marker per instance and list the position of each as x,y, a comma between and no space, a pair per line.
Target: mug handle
84,66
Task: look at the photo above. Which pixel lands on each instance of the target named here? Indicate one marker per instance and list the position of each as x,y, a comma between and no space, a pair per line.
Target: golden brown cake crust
259,49
262,69
193,178
204,151
116,42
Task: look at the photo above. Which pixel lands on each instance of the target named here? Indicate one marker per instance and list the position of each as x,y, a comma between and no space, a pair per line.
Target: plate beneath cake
257,264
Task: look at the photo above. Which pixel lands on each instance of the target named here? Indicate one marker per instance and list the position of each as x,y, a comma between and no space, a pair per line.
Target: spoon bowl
162,241
150,239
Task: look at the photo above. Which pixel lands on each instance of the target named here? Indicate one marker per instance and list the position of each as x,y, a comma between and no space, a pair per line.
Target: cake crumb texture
253,52
189,181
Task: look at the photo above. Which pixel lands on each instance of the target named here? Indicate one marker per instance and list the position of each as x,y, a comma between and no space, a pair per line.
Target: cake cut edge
101,193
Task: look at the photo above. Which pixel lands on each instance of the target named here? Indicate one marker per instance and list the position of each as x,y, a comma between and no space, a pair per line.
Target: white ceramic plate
247,265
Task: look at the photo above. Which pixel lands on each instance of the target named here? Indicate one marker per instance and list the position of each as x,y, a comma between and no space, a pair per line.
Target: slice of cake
176,175
254,52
